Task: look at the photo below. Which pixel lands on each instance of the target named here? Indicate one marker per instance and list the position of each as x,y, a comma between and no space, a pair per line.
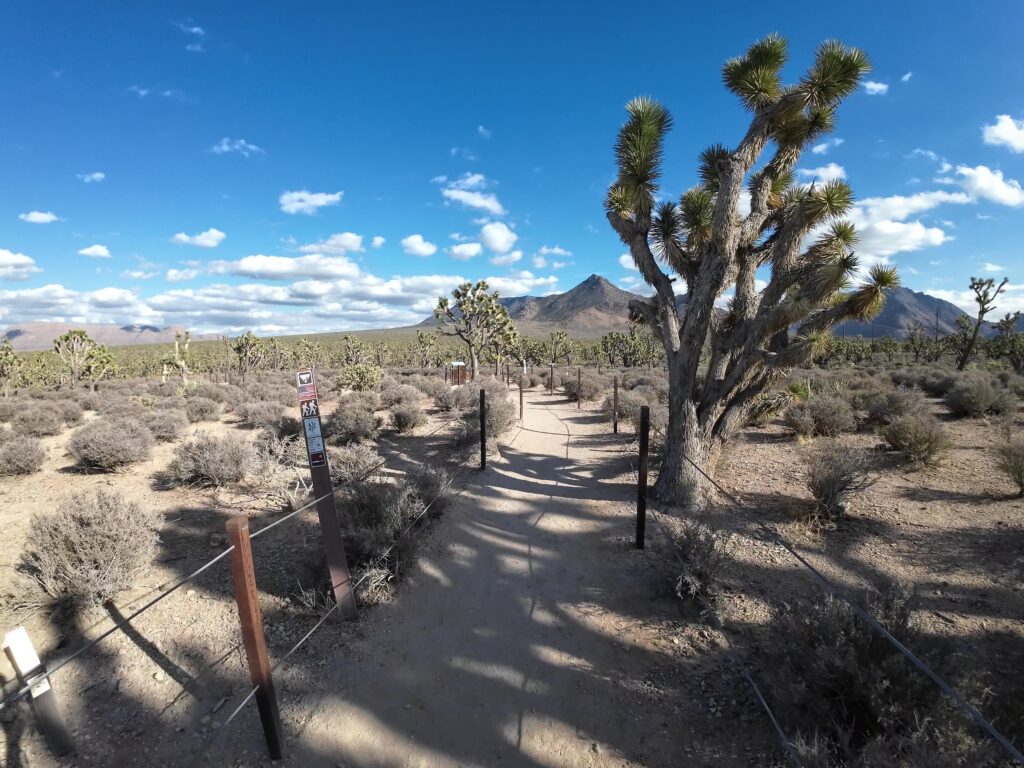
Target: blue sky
227,166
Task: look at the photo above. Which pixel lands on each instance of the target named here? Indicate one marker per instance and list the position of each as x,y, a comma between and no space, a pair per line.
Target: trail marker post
32,672
247,598
483,429
641,482
323,489
615,406
579,388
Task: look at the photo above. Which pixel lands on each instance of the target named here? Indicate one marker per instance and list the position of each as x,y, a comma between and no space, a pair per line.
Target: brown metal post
323,489
483,429
579,388
641,483
31,671
247,597
615,407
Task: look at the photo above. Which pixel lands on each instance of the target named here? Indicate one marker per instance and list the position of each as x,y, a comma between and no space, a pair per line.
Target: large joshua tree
478,318
793,237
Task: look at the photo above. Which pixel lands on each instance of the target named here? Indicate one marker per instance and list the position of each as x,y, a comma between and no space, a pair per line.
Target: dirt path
531,635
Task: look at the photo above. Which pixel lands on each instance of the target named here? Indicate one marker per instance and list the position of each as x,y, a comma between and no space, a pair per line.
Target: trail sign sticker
309,408
305,377
315,444
307,392
311,427
317,459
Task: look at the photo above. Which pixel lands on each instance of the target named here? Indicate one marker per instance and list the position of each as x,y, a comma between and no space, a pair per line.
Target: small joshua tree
98,363
250,351
10,366
73,349
713,247
477,318
178,360
426,345
966,338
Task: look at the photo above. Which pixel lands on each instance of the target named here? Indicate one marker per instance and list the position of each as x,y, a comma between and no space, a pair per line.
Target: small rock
159,676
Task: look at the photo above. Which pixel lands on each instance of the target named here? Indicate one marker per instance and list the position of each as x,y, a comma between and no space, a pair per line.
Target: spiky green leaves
754,77
666,233
696,211
829,200
638,153
711,160
867,300
835,75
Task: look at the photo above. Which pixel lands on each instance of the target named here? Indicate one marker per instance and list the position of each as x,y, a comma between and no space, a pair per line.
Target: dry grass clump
207,462
834,473
920,437
457,399
1010,461
38,422
108,444
394,393
9,408
21,455
885,406
199,408
351,462
407,416
696,561
166,425
70,412
94,546
431,386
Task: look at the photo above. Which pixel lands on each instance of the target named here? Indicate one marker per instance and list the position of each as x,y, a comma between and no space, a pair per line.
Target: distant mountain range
40,335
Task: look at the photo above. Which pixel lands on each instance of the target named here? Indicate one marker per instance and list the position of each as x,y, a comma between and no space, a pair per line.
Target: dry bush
975,396
378,510
352,421
8,409
591,387
827,415
259,413
351,463
834,473
407,416
276,450
71,412
696,562
887,405
455,399
206,461
39,421
501,413
199,408
217,392
21,455
431,386
920,437
94,546
108,444
432,487
166,425
1010,461
394,393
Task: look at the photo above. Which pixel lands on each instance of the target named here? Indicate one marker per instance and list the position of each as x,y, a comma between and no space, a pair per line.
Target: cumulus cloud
988,266
906,77
39,217
553,250
211,238
337,244
985,184
465,251
287,267
626,262
415,245
824,173
378,241
16,266
242,147
181,275
523,282
1005,132
484,132
95,251
90,178
306,202
498,237
138,274
503,260
874,88
825,146
468,190
1011,300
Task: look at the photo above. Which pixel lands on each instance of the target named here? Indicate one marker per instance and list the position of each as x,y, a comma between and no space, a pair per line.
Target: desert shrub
849,698
166,425
94,546
799,420
886,405
216,392
834,473
1010,461
501,413
259,413
937,383
361,377
118,406
20,455
695,564
352,421
173,403
432,487
8,410
275,450
399,394
352,462
202,409
975,396
71,412
456,398
431,386
378,510
38,422
920,437
405,417
591,388
768,405
90,401
208,461
109,444
826,415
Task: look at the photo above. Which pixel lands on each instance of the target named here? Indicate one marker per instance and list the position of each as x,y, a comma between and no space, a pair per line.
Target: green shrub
431,386
361,377
885,406
406,417
432,487
93,547
501,413
1010,461
352,421
399,394
21,455
920,437
377,511
38,422
166,425
834,473
975,396
108,444
206,461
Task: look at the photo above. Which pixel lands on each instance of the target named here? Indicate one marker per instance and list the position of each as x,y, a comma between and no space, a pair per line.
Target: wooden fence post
247,598
32,672
579,388
483,429
615,406
641,483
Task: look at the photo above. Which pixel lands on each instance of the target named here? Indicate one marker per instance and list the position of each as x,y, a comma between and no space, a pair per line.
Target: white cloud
883,229
467,190
985,184
211,238
95,251
39,217
241,146
498,237
463,153
626,262
89,178
1011,300
825,146
287,267
874,88
337,244
181,275
553,250
415,245
519,283
990,267
484,132
824,173
306,202
539,262
1005,132
505,259
906,77
138,274
465,250
900,207
378,241
16,266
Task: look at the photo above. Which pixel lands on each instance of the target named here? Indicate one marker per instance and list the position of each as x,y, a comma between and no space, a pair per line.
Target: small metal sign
309,408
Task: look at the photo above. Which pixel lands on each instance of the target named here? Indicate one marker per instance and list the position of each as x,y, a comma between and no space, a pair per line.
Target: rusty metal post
483,429
247,598
615,406
32,672
579,388
641,483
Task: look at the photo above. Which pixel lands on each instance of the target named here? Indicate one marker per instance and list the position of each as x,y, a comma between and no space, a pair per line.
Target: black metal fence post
641,483
483,429
615,407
